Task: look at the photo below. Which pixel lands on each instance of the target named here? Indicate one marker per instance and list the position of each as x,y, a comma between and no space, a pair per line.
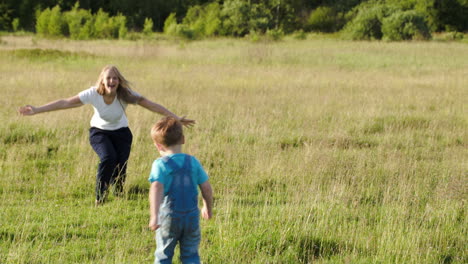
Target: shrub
87,31
170,24
15,24
79,23
57,24
453,35
42,22
5,16
121,26
178,30
102,27
275,34
194,20
212,19
185,32
203,21
148,26
300,34
405,25
235,16
323,19
367,21
260,18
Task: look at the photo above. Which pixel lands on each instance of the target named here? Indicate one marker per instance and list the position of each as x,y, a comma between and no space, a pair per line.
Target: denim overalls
179,216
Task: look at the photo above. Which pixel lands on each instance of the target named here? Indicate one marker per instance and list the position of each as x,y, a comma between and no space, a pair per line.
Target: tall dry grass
319,151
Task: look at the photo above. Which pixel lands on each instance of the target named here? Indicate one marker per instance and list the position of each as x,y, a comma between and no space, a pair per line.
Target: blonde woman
109,134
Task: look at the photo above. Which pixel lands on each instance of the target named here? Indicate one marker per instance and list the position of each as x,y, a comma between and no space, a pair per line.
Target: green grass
319,151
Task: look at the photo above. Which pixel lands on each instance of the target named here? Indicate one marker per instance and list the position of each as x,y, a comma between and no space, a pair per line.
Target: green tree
405,25
170,24
5,16
42,23
212,19
325,19
148,26
57,25
121,23
79,21
204,21
235,17
194,20
102,27
15,24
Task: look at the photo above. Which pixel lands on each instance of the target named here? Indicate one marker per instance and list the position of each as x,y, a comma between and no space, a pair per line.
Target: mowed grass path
319,151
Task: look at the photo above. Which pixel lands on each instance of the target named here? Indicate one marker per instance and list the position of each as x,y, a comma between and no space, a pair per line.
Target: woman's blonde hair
123,91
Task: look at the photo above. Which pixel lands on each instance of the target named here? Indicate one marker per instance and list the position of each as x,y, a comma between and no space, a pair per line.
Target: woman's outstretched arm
71,102
157,108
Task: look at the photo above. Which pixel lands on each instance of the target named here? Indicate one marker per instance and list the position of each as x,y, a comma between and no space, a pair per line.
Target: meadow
318,150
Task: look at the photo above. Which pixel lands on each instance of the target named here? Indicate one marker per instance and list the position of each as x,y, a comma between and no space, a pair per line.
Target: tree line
357,19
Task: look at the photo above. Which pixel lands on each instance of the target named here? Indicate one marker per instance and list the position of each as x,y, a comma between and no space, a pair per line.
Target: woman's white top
106,116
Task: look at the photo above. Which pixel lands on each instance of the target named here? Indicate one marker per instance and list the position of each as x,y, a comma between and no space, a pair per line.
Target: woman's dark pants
113,148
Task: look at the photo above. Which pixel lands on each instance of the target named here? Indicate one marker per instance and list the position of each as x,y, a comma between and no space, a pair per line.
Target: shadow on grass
313,248
306,249
263,192
135,192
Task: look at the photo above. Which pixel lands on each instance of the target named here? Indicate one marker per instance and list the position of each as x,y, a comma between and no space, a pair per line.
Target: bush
324,19
212,19
454,35
235,16
5,16
366,23
275,34
178,30
405,25
80,23
300,34
194,20
42,22
260,18
15,24
102,27
120,25
170,24
203,21
57,26
87,31
148,26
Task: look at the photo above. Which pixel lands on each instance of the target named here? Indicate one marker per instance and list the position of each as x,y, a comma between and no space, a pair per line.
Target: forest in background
360,19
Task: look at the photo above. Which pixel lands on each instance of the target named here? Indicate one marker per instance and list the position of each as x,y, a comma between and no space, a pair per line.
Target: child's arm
156,194
207,194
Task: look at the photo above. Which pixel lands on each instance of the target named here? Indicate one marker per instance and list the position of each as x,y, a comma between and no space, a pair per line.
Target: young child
174,196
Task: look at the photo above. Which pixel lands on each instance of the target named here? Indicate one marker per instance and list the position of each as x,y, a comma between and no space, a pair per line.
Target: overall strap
187,162
182,194
171,163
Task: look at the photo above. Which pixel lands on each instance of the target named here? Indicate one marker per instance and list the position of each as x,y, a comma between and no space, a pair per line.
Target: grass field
319,151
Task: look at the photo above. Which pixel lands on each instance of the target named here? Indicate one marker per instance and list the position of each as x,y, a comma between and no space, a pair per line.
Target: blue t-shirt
161,172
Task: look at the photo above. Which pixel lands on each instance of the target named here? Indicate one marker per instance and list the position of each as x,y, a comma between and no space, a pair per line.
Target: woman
109,134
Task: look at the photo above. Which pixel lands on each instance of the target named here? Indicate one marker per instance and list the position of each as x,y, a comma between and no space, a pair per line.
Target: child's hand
153,224
206,214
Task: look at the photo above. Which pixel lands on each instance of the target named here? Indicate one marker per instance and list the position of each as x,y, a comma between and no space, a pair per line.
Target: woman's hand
27,110
187,122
